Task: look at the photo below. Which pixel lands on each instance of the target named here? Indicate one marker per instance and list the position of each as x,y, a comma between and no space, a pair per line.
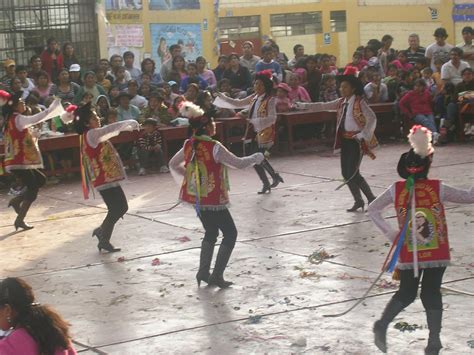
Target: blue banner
173,4
463,13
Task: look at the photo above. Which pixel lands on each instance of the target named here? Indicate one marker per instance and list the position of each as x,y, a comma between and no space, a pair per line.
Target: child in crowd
145,91
136,99
267,62
88,97
157,110
402,62
326,67
358,61
328,88
204,101
174,109
376,91
391,81
100,74
127,111
149,146
438,63
120,81
192,92
192,76
405,84
113,95
283,102
427,75
223,86
297,92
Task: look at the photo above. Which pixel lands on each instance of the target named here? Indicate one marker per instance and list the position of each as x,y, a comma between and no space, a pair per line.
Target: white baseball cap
75,67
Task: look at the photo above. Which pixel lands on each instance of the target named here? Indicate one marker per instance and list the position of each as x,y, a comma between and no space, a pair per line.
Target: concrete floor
279,298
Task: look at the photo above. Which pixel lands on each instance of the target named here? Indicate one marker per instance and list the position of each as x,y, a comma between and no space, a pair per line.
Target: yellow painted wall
365,18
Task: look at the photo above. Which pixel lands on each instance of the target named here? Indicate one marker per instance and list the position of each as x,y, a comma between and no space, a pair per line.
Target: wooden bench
232,125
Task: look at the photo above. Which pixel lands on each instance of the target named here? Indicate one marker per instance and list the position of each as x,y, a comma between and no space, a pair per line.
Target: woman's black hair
144,61
82,117
174,61
210,112
45,326
8,108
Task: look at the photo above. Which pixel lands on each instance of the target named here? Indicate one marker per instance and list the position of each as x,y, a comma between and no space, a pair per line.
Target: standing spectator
129,59
192,77
116,62
437,75
298,50
100,73
167,66
467,47
149,146
239,77
373,61
283,102
415,51
90,86
52,59
125,110
248,59
402,62
417,105
69,56
375,90
149,67
75,74
222,64
297,93
386,54
313,78
280,57
135,99
36,65
178,69
438,49
65,89
451,71
206,74
467,83
43,86
358,61
267,63
9,66
157,110
326,67
26,83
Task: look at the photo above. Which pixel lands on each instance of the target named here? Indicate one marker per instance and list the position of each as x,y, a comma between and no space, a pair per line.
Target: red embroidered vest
21,150
431,229
102,164
214,185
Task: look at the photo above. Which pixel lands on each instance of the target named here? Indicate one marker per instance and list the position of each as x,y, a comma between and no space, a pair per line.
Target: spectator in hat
52,59
149,146
451,71
248,59
129,58
75,74
125,110
439,49
466,46
298,50
9,66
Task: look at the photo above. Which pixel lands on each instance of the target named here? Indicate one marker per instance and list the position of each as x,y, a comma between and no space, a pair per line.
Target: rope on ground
165,210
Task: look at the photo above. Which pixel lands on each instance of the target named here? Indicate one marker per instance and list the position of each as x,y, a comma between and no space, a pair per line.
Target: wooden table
231,124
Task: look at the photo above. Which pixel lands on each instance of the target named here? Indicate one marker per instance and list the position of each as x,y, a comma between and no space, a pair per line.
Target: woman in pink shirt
297,92
34,329
402,62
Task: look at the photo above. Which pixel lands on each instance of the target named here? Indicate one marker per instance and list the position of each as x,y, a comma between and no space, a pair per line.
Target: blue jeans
426,121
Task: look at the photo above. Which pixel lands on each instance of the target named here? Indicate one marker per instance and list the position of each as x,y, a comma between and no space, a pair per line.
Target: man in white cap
75,74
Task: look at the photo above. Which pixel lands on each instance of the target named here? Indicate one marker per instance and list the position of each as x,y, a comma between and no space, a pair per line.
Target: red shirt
414,103
50,65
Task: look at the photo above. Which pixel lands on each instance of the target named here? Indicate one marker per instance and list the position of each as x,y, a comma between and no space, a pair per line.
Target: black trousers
117,206
213,221
33,179
430,287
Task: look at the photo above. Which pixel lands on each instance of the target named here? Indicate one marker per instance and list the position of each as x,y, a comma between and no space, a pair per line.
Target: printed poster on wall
173,4
188,36
122,38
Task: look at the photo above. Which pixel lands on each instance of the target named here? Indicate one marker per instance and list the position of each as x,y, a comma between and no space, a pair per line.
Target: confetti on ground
387,285
121,259
254,319
308,274
155,262
404,326
184,239
319,256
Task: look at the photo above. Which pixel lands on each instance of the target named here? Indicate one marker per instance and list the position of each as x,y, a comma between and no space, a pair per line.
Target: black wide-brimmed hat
417,160
82,116
350,76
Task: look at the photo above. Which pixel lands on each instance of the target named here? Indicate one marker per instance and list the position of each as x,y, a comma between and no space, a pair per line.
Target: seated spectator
297,93
91,86
157,110
174,109
100,73
192,92
111,117
402,62
298,51
222,65
239,77
102,106
116,61
427,76
65,89
438,63
267,62
149,67
204,100
358,61
136,99
391,81
129,59
405,84
52,59
178,69
145,90
194,77
446,105
120,80
416,105
313,78
15,86
168,94
280,57
35,65
26,83
113,96
75,74
33,103
43,86
33,328
149,146
420,63
467,83
87,97
326,67
248,59
204,73
451,71
125,110
69,58
328,90
375,90
283,102
224,87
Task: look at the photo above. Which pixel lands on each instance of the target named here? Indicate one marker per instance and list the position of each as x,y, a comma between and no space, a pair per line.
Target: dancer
203,163
262,115
32,328
22,155
101,166
354,134
429,256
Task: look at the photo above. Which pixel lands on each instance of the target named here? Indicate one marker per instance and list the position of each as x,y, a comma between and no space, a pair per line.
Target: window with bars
25,26
294,24
239,27
338,21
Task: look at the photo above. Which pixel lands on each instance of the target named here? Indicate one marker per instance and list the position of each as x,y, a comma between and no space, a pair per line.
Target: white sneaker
435,138
142,172
164,169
